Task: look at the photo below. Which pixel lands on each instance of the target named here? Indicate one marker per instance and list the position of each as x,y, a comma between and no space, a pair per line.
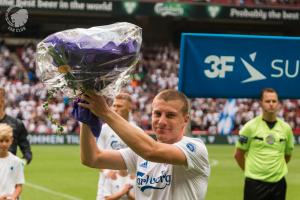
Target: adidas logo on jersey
144,164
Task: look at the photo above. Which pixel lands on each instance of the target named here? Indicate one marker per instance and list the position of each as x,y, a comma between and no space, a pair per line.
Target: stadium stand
156,70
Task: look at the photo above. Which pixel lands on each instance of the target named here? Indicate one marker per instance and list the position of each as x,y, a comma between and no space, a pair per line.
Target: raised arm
140,142
94,157
144,145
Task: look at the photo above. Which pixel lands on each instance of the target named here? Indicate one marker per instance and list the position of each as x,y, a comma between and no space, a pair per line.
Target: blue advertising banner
238,66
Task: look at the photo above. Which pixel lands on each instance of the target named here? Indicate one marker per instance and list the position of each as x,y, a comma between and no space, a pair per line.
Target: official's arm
240,158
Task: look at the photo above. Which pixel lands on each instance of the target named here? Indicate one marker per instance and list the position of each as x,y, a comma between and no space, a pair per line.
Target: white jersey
171,182
107,140
11,173
114,186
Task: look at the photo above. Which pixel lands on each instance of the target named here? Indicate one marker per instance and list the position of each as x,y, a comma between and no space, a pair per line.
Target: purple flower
90,64
99,59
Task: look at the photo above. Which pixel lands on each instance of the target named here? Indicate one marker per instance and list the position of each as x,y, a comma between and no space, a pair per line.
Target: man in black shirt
19,131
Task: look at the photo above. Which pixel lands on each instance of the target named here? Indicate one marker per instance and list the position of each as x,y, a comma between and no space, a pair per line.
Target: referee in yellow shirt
263,150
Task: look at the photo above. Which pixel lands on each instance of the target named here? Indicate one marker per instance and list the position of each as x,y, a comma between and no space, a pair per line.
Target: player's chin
162,135
161,138
272,111
161,131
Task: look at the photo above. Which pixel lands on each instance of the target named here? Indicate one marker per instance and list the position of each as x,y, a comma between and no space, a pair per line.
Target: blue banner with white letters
238,66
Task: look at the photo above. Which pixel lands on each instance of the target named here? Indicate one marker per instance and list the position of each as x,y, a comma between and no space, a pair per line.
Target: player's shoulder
192,139
191,143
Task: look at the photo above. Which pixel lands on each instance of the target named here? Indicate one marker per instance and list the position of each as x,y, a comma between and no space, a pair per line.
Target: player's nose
162,120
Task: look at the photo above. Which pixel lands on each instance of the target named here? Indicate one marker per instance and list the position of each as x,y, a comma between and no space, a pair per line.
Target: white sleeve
130,159
196,155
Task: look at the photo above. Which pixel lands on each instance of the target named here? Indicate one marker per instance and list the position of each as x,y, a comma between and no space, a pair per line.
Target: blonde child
11,167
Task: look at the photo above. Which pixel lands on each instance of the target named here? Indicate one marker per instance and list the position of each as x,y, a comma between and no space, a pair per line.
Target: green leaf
56,57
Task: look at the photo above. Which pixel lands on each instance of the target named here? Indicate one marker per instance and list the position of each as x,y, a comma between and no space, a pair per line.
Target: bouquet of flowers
99,59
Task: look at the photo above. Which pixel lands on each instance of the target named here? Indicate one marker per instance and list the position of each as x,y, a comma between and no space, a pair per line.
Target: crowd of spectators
26,94
156,70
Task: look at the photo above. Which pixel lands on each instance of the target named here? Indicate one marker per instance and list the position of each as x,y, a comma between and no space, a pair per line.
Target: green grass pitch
56,174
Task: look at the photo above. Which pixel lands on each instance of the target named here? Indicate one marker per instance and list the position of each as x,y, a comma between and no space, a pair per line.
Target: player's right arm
95,157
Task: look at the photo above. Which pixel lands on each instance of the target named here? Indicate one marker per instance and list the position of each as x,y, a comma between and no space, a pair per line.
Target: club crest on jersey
116,145
191,147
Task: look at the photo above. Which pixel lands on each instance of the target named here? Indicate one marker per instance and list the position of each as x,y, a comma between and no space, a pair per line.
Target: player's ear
130,106
186,118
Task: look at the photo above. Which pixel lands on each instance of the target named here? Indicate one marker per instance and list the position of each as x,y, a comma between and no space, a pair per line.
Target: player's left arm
145,146
140,142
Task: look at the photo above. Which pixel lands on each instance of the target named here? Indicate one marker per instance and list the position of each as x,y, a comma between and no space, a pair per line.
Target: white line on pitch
44,189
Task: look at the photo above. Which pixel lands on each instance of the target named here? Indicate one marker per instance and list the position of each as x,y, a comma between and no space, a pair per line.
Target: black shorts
259,190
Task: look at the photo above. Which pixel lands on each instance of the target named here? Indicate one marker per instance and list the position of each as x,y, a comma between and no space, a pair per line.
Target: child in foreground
11,167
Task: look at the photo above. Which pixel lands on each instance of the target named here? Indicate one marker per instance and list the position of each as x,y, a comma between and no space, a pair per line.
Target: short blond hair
5,130
125,96
171,95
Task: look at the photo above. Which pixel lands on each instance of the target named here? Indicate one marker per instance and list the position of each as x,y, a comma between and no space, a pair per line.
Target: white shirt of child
108,140
114,186
11,173
171,182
